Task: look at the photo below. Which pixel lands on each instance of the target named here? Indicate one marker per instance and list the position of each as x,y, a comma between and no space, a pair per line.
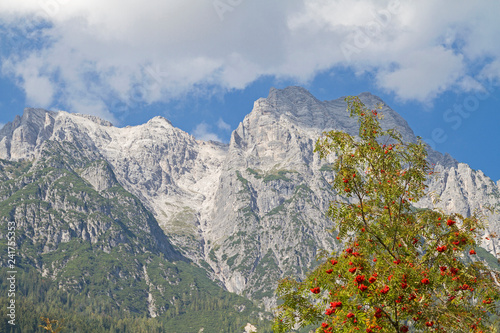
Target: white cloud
38,86
438,69
203,132
1,125
491,71
222,125
470,84
157,50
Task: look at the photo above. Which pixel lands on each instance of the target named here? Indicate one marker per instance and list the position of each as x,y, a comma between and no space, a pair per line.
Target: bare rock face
20,138
249,212
463,190
99,175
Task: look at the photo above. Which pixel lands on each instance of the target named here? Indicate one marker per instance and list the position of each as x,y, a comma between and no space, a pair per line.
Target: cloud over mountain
92,56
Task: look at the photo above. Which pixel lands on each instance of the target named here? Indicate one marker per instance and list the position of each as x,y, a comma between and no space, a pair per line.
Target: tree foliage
399,268
51,325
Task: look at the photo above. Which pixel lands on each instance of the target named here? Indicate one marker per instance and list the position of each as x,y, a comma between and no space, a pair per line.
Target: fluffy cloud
97,53
222,125
437,70
203,132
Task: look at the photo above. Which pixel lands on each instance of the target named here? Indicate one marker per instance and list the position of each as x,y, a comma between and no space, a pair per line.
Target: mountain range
148,222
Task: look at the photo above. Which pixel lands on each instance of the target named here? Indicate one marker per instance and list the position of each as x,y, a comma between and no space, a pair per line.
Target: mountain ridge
296,95
251,211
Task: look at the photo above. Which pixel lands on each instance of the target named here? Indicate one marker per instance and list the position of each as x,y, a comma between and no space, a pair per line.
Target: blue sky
202,64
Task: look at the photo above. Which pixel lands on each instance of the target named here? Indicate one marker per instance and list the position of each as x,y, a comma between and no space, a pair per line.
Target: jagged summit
95,119
302,107
36,113
35,120
31,116
160,119
284,107
367,94
292,94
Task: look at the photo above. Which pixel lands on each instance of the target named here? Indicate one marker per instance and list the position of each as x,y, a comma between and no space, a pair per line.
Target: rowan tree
48,325
398,268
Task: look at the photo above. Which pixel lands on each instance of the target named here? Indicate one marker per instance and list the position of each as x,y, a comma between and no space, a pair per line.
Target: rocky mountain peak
19,137
293,94
286,113
160,120
32,118
295,107
97,120
36,115
300,107
366,95
294,103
